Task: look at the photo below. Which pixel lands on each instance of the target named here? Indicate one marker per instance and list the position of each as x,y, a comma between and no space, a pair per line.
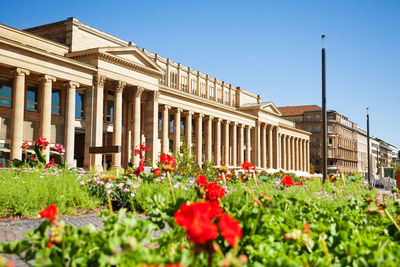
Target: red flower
230,229
287,180
49,245
50,164
157,171
50,213
143,147
216,210
228,176
223,168
25,145
214,191
196,219
139,169
59,148
42,143
246,165
202,180
167,162
1,165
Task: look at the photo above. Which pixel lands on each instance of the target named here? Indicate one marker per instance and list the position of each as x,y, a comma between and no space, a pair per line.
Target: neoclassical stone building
81,87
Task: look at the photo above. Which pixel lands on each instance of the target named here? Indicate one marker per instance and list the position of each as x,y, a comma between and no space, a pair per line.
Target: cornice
118,61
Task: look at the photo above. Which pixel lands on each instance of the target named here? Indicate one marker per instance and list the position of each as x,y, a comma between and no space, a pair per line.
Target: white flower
132,194
109,185
82,182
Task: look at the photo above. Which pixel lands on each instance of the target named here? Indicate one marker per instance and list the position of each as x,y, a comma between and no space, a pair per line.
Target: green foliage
26,192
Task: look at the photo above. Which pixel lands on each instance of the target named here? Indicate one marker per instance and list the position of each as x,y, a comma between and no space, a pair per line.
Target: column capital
264,126
210,117
99,80
218,119
20,71
226,122
235,123
153,96
178,110
71,85
47,79
138,91
119,86
199,115
188,112
166,107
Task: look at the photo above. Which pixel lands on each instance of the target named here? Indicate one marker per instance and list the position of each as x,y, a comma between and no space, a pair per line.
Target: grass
26,192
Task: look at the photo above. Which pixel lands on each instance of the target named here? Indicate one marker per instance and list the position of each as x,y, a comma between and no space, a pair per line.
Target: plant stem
224,178
255,178
253,231
326,250
170,184
109,202
391,218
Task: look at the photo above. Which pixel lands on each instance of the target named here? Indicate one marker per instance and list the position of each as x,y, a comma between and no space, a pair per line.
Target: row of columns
18,109
269,148
294,153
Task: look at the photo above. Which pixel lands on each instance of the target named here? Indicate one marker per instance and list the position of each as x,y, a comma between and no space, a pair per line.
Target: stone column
17,119
257,145
69,133
241,144
292,153
151,126
248,144
45,111
137,100
264,145
234,144
218,142
284,152
199,139
188,131
117,135
165,129
270,147
226,143
177,130
301,154
276,147
209,139
94,122
289,152
297,154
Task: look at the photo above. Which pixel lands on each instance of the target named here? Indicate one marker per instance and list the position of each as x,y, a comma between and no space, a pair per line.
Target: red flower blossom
230,229
196,219
140,168
49,245
42,143
50,164
50,213
143,147
202,180
214,191
25,145
228,176
246,165
59,148
216,210
167,162
287,180
157,171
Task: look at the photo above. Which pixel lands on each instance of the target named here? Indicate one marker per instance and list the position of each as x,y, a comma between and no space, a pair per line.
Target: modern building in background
342,137
347,143
81,87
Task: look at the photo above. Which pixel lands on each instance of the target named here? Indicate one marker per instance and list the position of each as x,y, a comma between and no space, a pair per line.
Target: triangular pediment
132,54
270,108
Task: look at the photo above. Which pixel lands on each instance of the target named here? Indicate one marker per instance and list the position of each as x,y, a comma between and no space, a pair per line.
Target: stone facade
342,137
81,87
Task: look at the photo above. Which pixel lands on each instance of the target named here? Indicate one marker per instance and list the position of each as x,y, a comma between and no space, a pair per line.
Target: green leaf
39,155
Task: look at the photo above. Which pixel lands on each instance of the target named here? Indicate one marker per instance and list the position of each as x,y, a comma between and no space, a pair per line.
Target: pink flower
59,148
42,143
50,164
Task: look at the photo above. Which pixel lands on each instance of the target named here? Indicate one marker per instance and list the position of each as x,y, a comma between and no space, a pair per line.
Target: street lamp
368,153
324,124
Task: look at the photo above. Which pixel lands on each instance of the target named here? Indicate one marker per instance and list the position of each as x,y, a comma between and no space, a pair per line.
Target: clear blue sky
271,48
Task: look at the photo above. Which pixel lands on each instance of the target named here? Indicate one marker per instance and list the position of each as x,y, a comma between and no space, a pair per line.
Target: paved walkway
15,230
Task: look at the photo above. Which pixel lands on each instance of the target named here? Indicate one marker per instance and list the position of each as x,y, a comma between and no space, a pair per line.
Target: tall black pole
368,153
324,124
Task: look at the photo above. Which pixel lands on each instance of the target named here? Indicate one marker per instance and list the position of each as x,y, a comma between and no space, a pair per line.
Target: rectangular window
309,129
193,85
160,121
5,92
110,111
317,129
203,89
309,118
31,97
171,123
233,99
174,80
330,153
211,94
184,83
79,105
317,118
227,98
330,128
330,141
317,140
55,102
